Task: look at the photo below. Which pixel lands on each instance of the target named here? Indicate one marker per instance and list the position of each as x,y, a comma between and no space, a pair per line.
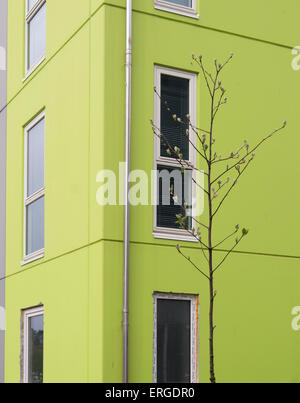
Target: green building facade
75,96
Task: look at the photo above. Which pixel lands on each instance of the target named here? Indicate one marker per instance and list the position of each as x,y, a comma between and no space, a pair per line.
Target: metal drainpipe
126,193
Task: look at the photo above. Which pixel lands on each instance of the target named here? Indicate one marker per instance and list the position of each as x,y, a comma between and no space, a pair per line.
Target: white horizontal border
176,235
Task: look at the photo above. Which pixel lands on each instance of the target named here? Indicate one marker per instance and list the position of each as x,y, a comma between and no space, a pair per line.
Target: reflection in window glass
37,37
34,187
35,226
185,3
31,4
35,349
36,156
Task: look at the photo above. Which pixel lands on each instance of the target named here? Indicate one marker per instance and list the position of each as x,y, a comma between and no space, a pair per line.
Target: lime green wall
258,289
69,281
81,86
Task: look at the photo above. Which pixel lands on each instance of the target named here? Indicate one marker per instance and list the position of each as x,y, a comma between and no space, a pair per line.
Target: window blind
175,96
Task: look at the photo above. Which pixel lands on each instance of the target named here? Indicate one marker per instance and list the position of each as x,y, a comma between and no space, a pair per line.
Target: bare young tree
222,174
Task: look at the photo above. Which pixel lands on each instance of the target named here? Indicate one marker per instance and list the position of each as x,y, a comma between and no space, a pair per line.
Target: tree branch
250,152
225,239
199,62
232,186
190,261
230,251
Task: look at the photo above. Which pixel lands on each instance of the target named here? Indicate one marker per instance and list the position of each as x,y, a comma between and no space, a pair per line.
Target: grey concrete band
3,102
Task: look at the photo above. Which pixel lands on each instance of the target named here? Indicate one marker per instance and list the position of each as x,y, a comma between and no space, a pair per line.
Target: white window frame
29,15
161,232
29,200
165,5
194,300
26,315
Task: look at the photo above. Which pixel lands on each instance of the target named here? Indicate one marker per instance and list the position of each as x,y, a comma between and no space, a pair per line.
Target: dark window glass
175,96
37,37
173,341
181,183
35,349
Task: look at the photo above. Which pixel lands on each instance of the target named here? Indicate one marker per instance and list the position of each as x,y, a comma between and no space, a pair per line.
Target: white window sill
177,10
33,68
173,235
32,258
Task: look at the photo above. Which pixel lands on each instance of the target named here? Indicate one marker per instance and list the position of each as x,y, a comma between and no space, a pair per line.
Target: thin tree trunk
211,331
211,298
210,246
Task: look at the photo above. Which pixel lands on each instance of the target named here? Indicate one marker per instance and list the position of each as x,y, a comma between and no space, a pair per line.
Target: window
35,33
184,7
34,189
32,345
175,338
176,96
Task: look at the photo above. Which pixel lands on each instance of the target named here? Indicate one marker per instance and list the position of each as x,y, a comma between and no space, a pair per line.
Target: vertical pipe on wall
126,193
